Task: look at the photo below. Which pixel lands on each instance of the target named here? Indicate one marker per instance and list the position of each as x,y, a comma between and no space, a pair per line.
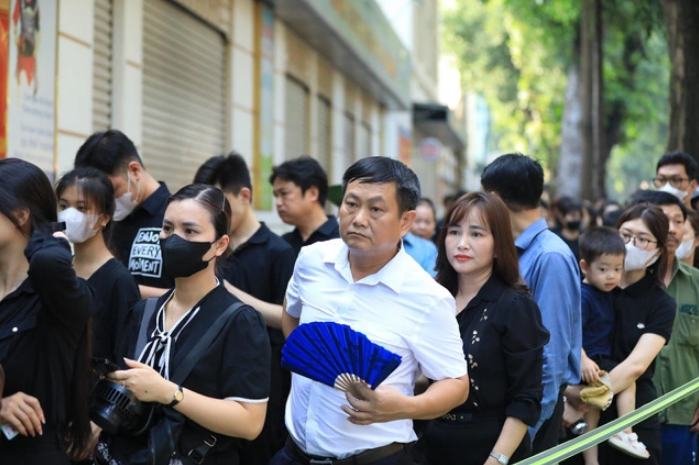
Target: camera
114,408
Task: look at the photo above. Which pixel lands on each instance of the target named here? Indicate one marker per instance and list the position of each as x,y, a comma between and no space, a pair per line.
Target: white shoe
629,444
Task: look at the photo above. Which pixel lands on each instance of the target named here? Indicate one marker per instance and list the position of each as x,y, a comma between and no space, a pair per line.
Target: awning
358,40
433,120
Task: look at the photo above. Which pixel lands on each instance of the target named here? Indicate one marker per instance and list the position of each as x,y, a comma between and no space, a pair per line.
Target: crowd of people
515,318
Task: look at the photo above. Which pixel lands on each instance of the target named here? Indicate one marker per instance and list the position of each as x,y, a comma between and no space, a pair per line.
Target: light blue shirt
423,251
549,268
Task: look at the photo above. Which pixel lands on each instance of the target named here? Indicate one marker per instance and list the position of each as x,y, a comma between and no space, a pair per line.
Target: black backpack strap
198,453
143,330
197,352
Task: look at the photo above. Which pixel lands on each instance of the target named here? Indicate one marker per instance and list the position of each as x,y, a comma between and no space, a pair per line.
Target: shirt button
15,329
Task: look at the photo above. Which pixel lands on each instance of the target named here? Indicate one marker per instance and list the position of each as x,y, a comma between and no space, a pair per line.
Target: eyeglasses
674,182
640,242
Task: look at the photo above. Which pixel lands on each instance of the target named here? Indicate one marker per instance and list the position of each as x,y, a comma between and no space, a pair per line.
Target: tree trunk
592,177
682,22
570,158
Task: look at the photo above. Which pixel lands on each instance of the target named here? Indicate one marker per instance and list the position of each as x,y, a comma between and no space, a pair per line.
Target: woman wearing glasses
644,315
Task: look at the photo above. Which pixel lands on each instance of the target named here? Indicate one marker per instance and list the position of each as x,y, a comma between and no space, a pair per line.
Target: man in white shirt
367,281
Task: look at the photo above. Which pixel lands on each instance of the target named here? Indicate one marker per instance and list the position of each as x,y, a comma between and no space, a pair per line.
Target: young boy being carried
602,253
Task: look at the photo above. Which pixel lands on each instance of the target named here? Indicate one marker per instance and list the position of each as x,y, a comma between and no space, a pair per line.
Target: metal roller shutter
102,67
365,135
350,152
184,97
324,133
296,117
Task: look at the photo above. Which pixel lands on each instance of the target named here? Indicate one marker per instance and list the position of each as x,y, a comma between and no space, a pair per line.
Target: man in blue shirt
550,270
423,251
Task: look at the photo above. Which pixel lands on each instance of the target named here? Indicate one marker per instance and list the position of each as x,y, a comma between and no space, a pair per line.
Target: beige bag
599,393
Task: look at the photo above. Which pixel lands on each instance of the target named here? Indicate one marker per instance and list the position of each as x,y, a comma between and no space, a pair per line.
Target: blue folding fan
337,355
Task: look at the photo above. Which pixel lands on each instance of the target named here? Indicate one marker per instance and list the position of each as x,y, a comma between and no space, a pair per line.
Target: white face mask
79,226
124,204
685,249
639,259
674,191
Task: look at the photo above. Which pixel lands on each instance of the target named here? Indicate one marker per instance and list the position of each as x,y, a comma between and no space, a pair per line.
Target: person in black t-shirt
257,272
44,325
224,398
643,320
503,340
300,188
86,205
140,205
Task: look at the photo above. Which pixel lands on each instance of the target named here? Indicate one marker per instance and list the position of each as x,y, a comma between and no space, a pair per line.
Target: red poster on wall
4,58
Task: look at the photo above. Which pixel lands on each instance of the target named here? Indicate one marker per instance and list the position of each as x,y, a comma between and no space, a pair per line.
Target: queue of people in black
566,313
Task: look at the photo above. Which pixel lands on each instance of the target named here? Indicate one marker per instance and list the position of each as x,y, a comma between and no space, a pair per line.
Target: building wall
236,20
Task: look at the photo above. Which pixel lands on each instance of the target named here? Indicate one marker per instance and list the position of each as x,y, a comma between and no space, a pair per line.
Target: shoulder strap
193,357
143,331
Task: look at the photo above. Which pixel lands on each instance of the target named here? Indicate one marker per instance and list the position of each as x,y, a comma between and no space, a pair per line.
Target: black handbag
159,443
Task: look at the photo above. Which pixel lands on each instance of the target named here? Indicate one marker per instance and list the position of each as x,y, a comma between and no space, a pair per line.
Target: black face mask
573,225
183,258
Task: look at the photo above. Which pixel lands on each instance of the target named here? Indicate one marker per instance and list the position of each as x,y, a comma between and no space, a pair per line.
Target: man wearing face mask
677,174
140,206
678,361
568,224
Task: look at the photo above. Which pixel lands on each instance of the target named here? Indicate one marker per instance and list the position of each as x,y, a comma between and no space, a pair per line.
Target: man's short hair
385,170
565,205
305,172
108,151
230,172
680,158
601,241
659,198
517,179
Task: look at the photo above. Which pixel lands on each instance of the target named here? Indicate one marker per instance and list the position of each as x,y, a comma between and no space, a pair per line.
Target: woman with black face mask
568,222
222,401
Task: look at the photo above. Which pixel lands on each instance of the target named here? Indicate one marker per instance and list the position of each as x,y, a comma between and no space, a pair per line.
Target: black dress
236,367
641,308
504,341
41,325
115,294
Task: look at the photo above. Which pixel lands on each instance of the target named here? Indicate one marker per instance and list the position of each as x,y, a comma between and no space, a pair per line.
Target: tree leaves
515,53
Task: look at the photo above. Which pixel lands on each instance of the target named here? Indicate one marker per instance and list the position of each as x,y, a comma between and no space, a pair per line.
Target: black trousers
464,443
550,432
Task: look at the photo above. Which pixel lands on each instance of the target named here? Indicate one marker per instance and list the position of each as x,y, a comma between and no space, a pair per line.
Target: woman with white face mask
86,205
643,320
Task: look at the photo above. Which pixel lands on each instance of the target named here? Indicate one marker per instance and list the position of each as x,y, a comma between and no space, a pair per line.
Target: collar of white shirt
392,274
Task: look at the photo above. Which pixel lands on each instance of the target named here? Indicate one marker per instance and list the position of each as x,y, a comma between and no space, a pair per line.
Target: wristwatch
502,459
177,397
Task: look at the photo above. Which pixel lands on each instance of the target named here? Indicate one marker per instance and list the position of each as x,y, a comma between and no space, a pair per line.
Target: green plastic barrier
602,433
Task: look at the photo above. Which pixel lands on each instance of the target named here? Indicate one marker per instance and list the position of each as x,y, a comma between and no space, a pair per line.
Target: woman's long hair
25,186
657,223
496,218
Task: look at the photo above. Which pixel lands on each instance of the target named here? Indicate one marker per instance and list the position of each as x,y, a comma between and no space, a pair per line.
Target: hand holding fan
336,355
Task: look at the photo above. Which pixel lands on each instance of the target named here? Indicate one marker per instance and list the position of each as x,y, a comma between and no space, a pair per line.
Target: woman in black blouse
503,339
86,205
224,398
44,325
643,317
